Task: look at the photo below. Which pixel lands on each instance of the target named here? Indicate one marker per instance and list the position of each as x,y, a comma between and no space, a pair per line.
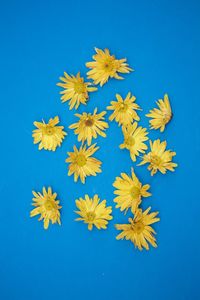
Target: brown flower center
89,122
123,107
49,130
108,65
138,227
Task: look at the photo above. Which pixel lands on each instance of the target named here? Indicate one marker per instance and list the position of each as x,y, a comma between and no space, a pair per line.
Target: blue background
39,41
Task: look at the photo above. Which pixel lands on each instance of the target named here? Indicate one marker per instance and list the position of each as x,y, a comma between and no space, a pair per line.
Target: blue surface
40,40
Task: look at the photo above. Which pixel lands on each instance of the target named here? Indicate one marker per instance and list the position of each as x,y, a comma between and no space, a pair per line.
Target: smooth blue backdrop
39,41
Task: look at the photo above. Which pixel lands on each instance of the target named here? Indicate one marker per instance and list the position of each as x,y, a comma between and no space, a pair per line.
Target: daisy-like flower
124,110
49,136
161,115
159,159
82,164
75,90
139,231
134,138
106,66
130,192
46,206
89,126
93,212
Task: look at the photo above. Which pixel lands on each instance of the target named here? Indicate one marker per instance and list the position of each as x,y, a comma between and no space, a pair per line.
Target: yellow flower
48,135
130,192
106,66
162,116
158,158
124,110
82,164
139,231
47,206
75,90
89,126
93,213
134,138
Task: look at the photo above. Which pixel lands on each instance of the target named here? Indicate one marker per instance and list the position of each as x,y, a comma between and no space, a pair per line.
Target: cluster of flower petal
46,206
124,110
161,115
75,90
139,230
129,191
49,136
93,212
134,138
106,66
159,159
82,164
90,126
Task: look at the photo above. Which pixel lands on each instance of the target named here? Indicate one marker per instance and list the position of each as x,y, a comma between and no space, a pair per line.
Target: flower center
81,160
123,107
49,130
79,87
166,118
138,227
130,141
135,192
90,216
49,204
89,122
155,159
108,65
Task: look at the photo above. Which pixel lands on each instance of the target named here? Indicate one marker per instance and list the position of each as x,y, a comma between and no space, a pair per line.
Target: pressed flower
161,115
75,90
93,212
46,206
159,159
139,231
124,110
106,66
130,192
82,164
134,138
49,136
90,126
